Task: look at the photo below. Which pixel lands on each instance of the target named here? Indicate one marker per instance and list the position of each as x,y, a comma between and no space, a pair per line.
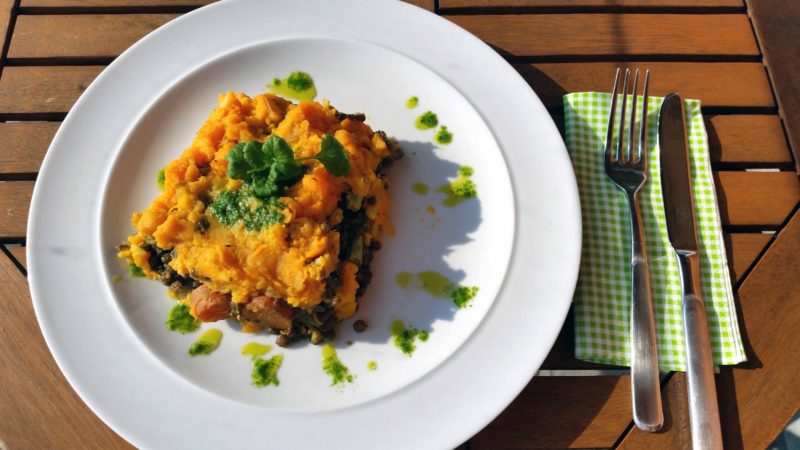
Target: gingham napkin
602,298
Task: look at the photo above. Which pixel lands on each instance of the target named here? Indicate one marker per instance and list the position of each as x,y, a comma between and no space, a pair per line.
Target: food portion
270,217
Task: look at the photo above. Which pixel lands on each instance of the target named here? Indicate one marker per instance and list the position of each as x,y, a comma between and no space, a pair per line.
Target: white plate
519,242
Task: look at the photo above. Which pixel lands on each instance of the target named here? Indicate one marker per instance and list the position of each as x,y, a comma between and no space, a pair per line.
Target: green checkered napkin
602,297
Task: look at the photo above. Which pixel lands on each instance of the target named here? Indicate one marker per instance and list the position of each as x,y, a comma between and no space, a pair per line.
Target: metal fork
628,170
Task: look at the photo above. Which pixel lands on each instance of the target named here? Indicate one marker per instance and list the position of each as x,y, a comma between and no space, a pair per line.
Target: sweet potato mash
294,262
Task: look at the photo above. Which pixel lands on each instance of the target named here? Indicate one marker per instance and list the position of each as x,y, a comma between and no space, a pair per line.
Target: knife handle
645,382
703,407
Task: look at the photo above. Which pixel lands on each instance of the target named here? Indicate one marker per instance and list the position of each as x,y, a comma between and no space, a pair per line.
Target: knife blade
676,188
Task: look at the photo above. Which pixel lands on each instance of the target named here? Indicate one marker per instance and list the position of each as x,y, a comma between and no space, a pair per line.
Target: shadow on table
560,412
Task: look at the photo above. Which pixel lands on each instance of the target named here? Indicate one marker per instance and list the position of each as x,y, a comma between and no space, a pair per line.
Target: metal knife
679,209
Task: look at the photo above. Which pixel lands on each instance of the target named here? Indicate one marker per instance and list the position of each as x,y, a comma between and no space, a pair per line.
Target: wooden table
737,58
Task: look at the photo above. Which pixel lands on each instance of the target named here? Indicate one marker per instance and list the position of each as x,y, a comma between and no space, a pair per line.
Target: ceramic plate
518,242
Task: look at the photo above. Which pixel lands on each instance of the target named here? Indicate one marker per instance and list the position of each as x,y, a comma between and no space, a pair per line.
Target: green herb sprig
271,166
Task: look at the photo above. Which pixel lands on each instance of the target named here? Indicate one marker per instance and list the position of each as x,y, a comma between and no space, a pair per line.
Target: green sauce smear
207,343
459,190
298,85
372,366
427,121
443,136
230,207
135,270
255,349
438,286
420,188
265,371
116,278
160,178
405,338
181,321
462,296
331,364
412,102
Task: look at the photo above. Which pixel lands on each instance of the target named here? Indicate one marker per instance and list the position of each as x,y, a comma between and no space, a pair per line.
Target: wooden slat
40,410
458,4
15,199
43,89
24,145
427,4
747,138
758,398
614,34
110,3
424,4
68,36
743,248
716,84
775,23
558,412
756,198
5,20
19,254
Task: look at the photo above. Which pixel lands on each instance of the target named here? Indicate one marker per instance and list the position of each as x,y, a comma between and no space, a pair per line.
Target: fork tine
629,154
642,150
610,131
618,154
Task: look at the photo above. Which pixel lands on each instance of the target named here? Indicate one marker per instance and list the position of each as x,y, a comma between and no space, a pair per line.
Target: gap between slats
17,254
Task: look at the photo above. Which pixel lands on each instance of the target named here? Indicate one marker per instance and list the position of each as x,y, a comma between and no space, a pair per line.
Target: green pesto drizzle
443,136
160,178
255,349
438,286
462,296
230,207
405,338
412,102
420,188
298,85
135,270
459,190
331,364
116,278
179,319
265,371
372,366
206,343
427,121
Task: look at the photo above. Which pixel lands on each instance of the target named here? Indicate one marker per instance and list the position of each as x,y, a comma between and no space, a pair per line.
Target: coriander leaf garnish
271,166
333,157
276,149
254,156
237,165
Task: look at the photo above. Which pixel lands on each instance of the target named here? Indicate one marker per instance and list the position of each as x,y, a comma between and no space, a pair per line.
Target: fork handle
645,382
